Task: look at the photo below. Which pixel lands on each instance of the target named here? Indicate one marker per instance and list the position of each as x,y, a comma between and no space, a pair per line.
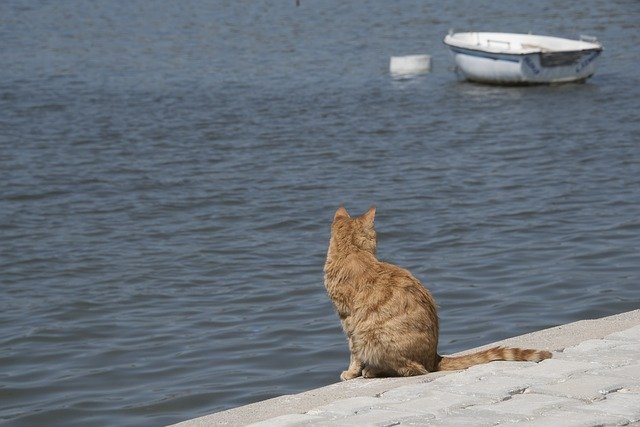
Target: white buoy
410,65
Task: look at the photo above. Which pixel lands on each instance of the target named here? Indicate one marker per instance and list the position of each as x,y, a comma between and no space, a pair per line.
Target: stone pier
593,379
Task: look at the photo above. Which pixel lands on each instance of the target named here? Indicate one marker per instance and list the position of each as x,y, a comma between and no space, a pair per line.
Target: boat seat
535,46
508,45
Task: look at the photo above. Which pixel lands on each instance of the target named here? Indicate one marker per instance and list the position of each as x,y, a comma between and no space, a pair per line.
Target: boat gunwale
510,56
450,42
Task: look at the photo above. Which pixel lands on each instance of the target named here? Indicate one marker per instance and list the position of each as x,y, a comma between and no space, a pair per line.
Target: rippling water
168,173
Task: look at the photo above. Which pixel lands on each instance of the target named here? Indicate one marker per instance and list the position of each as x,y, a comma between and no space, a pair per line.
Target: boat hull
536,67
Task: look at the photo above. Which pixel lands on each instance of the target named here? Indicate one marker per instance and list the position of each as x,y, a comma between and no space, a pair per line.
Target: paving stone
291,420
351,406
631,372
595,347
527,405
438,403
466,419
570,418
556,369
632,334
623,403
381,417
407,392
607,353
589,347
587,388
633,348
495,386
501,367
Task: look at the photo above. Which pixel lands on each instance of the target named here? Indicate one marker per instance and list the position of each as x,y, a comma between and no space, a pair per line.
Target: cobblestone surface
594,383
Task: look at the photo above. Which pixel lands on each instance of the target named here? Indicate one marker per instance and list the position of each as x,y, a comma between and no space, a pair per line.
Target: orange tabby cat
390,319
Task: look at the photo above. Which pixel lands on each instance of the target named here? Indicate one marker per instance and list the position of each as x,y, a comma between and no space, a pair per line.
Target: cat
389,318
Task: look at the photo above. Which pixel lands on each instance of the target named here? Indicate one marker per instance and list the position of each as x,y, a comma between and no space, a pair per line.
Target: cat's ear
341,213
369,217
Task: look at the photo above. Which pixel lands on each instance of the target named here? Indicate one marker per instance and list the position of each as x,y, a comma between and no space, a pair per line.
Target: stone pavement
596,382
589,382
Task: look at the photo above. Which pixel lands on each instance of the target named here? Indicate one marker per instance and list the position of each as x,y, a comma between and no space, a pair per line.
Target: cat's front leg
354,370
355,364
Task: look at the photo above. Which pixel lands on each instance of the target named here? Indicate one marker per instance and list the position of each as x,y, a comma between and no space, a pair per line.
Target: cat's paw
349,375
369,372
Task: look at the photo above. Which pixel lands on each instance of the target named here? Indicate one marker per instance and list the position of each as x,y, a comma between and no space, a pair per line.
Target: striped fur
449,363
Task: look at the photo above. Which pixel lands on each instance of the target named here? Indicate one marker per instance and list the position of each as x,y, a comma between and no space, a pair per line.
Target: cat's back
399,286
396,276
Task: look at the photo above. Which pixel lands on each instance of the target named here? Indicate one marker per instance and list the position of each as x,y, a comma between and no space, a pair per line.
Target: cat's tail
449,363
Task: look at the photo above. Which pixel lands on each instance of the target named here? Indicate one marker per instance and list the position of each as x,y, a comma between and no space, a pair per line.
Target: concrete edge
554,339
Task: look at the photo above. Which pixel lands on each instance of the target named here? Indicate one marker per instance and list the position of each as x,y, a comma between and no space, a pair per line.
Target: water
168,173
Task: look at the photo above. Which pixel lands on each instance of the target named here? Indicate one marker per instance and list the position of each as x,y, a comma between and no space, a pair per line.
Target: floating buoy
410,65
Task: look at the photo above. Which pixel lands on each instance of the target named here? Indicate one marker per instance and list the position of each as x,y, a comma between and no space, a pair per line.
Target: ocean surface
169,172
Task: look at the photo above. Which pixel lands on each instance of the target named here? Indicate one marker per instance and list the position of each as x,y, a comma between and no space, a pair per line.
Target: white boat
507,58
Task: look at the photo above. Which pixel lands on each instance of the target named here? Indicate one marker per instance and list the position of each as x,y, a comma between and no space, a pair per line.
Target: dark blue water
169,171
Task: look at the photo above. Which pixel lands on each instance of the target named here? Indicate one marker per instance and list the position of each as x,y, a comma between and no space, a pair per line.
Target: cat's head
354,233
